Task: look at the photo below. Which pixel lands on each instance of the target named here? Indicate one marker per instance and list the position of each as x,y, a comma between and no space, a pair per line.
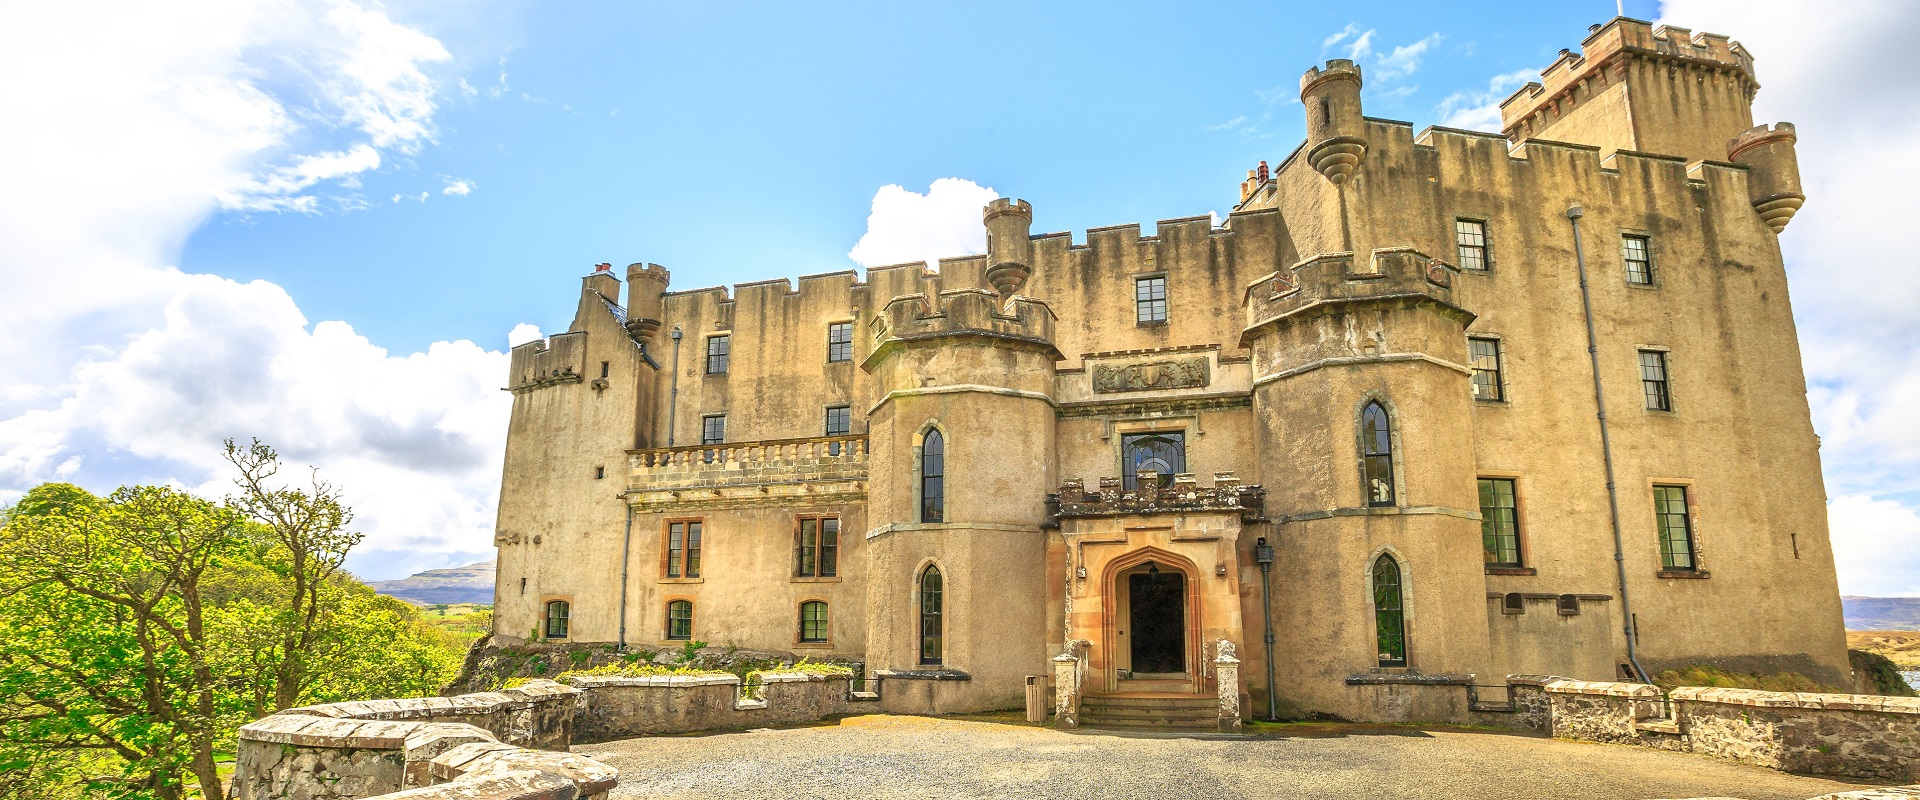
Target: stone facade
1038,377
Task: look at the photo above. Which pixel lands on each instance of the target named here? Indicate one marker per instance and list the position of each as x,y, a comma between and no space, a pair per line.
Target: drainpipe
673,393
626,546
1263,553
1606,447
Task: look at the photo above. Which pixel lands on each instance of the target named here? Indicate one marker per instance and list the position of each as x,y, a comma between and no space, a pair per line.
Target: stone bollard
1226,671
1066,690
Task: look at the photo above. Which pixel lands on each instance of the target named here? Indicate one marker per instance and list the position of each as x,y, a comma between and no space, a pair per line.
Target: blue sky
320,222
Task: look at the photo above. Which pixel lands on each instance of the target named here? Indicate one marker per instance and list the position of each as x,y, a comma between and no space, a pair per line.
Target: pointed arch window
1389,614
1376,449
932,644
933,477
1163,453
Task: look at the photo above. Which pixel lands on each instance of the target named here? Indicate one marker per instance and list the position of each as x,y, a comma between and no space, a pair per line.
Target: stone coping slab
525,785
484,759
1807,700
1605,688
1401,679
668,681
514,699
1534,680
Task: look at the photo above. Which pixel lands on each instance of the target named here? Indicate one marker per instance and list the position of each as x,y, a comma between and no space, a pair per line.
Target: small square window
840,341
717,349
1638,252
1150,300
713,429
1653,380
1487,380
1471,237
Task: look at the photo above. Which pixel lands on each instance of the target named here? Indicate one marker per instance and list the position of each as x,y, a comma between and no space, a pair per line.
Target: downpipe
673,391
626,548
1574,213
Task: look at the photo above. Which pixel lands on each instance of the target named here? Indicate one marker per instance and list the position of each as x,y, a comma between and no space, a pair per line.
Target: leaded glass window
1150,300
1376,443
1389,614
1164,453
1499,522
840,341
932,644
1638,254
680,620
1653,380
717,349
558,612
813,621
1488,383
933,475
1676,527
1471,236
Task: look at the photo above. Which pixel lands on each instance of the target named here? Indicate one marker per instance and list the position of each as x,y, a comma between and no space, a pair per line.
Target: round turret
1336,133
1009,252
645,284
1773,172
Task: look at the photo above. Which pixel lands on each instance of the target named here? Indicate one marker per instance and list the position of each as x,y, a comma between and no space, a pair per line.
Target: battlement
1338,69
1005,206
1328,279
1603,56
541,363
1760,136
1183,494
961,312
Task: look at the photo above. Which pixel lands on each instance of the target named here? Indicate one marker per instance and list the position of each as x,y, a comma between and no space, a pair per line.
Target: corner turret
1773,172
646,283
1009,251
1336,134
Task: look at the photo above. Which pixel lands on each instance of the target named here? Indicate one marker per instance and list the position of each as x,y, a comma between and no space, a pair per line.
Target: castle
1424,411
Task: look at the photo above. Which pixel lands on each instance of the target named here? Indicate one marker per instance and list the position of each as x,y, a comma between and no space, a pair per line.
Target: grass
1900,647
1716,677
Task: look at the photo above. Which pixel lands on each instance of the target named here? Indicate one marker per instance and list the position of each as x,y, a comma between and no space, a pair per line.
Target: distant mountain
472,583
1882,613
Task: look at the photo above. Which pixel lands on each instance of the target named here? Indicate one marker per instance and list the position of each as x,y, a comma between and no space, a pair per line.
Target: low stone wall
470,746
615,708
1854,736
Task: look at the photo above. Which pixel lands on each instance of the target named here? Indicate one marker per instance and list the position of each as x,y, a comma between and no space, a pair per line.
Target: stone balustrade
748,473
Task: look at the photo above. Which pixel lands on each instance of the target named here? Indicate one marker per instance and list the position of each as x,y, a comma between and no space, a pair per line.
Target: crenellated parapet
960,313
1330,280
1183,495
541,363
1606,54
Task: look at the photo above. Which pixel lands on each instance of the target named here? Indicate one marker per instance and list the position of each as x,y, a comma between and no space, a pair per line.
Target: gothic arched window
1389,612
932,645
1164,453
933,474
1376,450
558,612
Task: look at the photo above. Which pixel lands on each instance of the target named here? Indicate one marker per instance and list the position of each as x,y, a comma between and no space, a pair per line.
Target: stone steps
1157,711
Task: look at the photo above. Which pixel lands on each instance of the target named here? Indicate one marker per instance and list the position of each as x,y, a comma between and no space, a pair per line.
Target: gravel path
920,757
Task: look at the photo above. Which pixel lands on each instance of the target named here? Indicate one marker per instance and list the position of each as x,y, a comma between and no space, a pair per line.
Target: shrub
1703,675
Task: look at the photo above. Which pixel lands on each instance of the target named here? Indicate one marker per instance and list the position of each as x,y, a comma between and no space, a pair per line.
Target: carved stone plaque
1151,375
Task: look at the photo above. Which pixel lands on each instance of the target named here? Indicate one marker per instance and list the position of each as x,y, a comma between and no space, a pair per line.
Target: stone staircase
1151,711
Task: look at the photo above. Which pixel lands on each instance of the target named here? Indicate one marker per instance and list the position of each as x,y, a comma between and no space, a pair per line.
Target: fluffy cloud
1840,77
907,226
150,119
1477,110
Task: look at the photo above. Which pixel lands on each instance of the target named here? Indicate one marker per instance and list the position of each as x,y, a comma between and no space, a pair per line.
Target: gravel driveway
922,757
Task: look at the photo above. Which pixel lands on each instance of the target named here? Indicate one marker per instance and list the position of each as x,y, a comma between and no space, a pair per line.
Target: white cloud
1352,29
1361,48
467,88
148,120
1841,77
1404,60
522,334
907,226
458,186
1477,110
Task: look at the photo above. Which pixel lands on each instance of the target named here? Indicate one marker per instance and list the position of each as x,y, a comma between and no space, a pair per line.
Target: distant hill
472,583
1882,613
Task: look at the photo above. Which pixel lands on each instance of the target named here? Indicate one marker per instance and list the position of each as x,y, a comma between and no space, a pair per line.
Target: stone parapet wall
616,708
471,746
1855,736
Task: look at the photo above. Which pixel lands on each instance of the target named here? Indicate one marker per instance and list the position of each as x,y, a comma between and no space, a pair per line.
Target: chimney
603,281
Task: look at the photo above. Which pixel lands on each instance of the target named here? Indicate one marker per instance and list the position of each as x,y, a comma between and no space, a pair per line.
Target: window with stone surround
1675,522
558,612
1488,382
717,350
813,622
1163,453
1499,522
840,341
1637,251
1470,235
713,429
680,619
1389,612
1653,380
1150,300
683,548
933,477
1376,454
816,547
932,643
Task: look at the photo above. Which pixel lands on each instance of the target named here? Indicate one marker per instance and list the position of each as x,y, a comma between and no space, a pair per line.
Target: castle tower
960,461
1378,566
1336,133
1009,251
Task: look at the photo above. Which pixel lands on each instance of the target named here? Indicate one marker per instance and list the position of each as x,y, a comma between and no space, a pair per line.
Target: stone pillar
1066,689
1226,671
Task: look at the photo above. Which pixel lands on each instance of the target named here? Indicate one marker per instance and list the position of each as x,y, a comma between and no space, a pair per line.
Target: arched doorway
1157,622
